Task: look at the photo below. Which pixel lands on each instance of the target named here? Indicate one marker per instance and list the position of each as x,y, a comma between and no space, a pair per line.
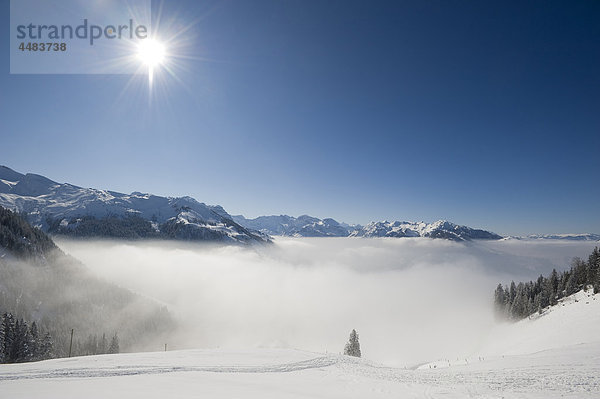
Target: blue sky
480,113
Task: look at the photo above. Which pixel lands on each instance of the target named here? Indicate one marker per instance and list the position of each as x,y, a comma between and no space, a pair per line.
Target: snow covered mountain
302,226
67,209
570,237
308,226
62,208
439,229
564,237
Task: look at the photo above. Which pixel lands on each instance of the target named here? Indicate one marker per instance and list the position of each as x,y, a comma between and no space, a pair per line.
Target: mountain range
567,237
302,226
439,229
66,209
308,226
63,208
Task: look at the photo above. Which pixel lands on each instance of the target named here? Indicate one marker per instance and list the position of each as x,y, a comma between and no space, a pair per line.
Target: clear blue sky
482,113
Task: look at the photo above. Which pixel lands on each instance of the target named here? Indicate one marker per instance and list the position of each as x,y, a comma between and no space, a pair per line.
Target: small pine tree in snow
353,346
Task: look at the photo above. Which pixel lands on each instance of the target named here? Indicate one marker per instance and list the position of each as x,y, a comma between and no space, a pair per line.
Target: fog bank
411,300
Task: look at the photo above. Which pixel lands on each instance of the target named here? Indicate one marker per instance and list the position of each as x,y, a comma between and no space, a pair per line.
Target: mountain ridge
301,226
308,226
63,208
67,209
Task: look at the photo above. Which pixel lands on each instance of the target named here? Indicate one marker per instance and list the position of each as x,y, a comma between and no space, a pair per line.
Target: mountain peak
8,174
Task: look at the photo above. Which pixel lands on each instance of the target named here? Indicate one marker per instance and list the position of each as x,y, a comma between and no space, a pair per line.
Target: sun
151,52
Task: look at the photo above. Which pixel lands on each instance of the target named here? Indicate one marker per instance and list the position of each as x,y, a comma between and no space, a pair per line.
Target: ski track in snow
87,372
568,371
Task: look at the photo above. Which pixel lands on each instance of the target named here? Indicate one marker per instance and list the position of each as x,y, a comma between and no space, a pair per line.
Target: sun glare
151,52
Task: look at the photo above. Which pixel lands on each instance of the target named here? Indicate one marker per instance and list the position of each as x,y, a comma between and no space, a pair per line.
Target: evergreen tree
353,346
579,269
571,287
114,344
513,291
530,308
20,342
524,299
544,290
594,259
103,345
46,347
500,301
91,345
553,287
8,327
19,350
537,303
34,342
594,269
2,335
562,283
518,308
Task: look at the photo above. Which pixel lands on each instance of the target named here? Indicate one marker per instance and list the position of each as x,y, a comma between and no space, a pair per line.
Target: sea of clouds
411,300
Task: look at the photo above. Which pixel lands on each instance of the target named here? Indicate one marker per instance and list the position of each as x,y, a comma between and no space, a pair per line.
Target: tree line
521,300
21,342
98,345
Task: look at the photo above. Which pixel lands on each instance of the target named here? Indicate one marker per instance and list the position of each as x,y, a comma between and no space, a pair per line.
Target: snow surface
553,355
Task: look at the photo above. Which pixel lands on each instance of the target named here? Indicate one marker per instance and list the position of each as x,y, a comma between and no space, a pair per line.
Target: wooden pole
71,344
165,347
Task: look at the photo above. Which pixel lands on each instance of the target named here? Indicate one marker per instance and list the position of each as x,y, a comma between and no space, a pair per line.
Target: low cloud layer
411,300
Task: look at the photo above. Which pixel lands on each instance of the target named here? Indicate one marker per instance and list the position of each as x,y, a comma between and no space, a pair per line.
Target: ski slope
553,355
268,373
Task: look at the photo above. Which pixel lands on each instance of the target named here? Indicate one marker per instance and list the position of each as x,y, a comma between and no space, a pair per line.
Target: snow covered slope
268,373
574,321
68,209
556,355
439,229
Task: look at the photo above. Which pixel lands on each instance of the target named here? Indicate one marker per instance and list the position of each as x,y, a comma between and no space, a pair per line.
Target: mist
411,300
